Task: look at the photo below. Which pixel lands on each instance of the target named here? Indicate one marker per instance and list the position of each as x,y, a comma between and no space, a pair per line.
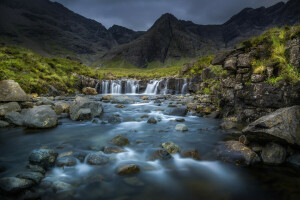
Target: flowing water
177,178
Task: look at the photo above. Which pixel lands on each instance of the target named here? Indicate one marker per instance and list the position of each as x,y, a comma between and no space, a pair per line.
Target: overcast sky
141,14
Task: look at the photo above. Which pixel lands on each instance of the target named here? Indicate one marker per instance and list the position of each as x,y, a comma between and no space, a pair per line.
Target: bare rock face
283,125
11,91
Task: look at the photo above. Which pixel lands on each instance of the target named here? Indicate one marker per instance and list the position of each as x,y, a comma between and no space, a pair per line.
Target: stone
11,91
61,107
76,112
127,169
3,124
171,147
13,185
40,117
36,177
43,157
27,104
243,139
243,70
238,153
89,91
14,118
9,107
52,91
191,153
228,124
257,148
152,120
273,154
66,161
120,106
144,116
179,111
97,158
109,150
162,155
230,64
123,100
120,140
36,168
257,78
114,119
244,60
181,127
280,126
107,98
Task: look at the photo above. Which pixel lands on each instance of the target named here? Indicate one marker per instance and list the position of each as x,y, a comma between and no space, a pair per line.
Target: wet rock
236,152
133,181
279,126
109,150
40,117
243,139
89,91
191,153
162,155
152,120
114,119
14,185
273,154
45,101
257,148
182,111
43,157
220,58
123,100
171,147
11,91
180,120
144,116
244,60
14,118
61,107
120,140
294,160
172,106
144,97
80,155
81,106
107,98
36,177
36,168
59,185
120,106
181,127
9,107
127,169
3,124
97,158
66,161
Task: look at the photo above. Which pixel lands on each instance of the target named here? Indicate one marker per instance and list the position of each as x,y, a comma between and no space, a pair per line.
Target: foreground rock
84,109
127,169
236,152
43,157
283,125
273,154
9,107
171,147
89,91
152,120
40,117
14,185
11,91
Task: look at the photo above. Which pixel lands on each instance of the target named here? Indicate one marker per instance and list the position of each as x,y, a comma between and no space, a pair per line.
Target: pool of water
177,178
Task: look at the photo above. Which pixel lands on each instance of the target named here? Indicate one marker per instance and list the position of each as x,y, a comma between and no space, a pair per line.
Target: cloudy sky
141,14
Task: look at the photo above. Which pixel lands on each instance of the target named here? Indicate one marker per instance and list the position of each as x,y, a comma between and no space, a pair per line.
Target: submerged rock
162,155
36,168
36,177
97,158
123,100
283,125
40,117
171,147
273,154
11,91
66,161
61,107
114,119
109,150
120,106
181,127
9,107
120,140
43,157
59,185
127,169
84,108
14,185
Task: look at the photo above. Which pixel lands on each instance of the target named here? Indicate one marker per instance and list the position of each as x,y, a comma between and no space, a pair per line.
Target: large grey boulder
11,91
40,117
9,107
280,126
14,118
14,185
43,157
83,109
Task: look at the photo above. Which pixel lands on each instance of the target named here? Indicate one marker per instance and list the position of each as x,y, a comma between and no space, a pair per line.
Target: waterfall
152,87
116,87
166,87
184,87
132,87
105,85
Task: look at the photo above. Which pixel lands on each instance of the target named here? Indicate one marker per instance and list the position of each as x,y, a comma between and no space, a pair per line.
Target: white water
105,85
152,87
116,87
132,87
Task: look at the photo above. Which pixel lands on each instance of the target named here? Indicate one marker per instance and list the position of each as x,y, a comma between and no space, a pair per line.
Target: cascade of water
184,87
116,87
132,87
166,87
152,87
105,85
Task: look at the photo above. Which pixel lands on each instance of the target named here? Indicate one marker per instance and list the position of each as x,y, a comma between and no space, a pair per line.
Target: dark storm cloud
141,14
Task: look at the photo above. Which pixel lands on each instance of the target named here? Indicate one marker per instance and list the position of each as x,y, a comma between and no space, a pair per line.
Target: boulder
43,157
14,118
236,152
127,169
273,154
107,98
152,120
9,107
181,127
120,140
81,107
61,107
40,117
66,161
123,100
179,111
3,124
97,158
280,126
14,185
191,153
36,177
89,91
11,91
162,155
171,147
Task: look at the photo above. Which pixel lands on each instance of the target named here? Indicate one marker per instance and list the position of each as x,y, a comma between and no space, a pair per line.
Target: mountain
170,38
124,35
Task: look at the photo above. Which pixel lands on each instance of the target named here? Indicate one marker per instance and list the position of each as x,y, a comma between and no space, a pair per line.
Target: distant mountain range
51,29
